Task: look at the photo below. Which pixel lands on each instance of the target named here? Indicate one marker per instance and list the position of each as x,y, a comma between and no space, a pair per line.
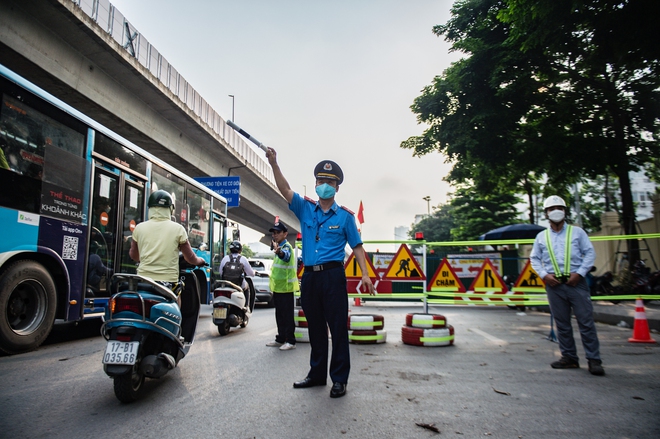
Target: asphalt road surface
495,381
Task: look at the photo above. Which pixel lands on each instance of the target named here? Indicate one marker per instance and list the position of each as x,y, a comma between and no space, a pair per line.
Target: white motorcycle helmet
553,200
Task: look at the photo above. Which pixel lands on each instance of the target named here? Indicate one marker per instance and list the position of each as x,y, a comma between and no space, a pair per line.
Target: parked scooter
639,281
230,308
643,281
146,331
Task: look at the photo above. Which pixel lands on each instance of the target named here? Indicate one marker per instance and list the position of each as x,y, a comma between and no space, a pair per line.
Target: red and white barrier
299,318
301,334
427,321
427,337
366,322
367,337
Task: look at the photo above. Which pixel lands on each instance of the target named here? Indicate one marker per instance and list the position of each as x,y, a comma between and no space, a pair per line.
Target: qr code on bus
70,248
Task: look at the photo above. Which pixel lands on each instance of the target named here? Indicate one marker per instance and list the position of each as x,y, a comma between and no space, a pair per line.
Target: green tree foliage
247,252
468,215
474,109
565,89
597,196
475,214
437,227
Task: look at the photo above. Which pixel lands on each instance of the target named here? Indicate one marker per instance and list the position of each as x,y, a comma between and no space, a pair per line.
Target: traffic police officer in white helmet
562,256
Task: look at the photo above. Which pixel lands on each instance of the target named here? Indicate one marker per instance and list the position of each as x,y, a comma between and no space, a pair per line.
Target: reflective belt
436,339
428,322
567,254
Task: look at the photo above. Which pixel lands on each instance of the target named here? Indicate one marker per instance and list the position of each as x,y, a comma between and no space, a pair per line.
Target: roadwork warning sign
488,280
404,266
529,281
353,270
445,279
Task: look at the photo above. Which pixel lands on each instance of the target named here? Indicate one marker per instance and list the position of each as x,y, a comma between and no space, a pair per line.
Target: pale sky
317,80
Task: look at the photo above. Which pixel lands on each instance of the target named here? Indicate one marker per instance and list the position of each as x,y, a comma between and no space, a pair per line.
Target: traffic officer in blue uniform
326,229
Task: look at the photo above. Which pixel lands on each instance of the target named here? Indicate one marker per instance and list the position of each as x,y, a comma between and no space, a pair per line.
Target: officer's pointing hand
369,286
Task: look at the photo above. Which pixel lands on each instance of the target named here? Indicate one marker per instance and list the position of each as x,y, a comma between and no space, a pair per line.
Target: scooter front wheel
224,327
128,386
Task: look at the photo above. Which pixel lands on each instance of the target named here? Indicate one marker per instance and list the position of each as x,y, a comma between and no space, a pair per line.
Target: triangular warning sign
445,279
404,266
301,271
529,280
488,279
353,270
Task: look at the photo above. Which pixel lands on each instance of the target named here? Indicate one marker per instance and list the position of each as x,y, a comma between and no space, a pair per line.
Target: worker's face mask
556,216
325,191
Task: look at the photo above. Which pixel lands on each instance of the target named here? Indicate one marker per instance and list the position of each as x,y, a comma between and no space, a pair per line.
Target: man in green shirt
156,243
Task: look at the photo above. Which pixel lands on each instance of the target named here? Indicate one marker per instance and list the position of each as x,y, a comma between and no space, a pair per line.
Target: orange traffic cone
358,302
641,333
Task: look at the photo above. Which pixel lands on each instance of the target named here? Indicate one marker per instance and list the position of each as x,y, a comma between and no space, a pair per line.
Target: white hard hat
553,200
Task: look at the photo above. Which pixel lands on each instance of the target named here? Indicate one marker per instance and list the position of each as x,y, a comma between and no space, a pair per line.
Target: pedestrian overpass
86,53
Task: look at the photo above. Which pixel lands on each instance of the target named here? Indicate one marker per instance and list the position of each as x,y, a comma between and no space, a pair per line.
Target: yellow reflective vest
283,277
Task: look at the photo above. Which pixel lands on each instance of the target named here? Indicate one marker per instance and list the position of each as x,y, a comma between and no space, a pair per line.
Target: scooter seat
141,286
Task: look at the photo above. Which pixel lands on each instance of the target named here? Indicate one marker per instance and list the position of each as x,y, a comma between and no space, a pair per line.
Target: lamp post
232,108
428,203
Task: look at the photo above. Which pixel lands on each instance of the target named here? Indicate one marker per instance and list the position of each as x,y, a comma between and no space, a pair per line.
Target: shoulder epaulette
348,210
309,199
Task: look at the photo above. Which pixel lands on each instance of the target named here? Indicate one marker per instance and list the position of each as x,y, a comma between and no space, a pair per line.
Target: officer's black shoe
307,382
338,390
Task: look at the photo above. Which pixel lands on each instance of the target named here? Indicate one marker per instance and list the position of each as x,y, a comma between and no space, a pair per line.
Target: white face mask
556,216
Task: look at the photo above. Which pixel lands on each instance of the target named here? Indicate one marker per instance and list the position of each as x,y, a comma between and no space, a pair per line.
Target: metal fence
112,21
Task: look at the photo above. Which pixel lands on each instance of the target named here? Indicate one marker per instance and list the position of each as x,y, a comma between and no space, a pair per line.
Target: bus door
117,207
217,246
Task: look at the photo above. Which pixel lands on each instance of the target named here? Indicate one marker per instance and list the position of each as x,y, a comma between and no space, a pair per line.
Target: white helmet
553,200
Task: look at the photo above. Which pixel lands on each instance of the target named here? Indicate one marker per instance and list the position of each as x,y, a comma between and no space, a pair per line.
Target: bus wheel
28,303
127,387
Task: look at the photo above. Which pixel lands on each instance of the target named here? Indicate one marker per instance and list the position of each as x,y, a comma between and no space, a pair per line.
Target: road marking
488,336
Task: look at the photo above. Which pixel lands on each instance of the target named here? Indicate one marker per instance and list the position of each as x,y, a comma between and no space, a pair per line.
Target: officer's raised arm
280,181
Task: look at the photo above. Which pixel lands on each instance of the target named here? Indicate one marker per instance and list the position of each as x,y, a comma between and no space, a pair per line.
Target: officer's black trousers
324,300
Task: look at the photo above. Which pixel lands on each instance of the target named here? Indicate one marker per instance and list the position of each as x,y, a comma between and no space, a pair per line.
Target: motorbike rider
234,256
157,242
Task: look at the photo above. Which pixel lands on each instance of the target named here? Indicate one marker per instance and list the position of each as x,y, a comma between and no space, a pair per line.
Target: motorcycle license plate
219,313
121,352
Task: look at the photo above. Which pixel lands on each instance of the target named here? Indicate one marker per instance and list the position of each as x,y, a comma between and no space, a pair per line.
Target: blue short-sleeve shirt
324,234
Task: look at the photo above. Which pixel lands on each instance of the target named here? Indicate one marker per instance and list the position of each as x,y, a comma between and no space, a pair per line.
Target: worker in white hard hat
562,256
